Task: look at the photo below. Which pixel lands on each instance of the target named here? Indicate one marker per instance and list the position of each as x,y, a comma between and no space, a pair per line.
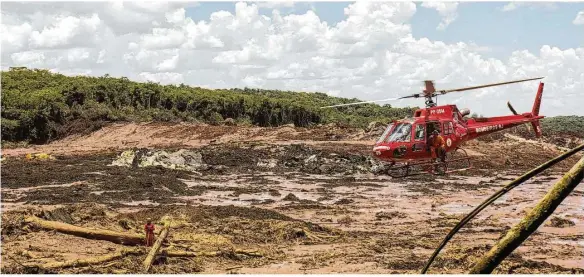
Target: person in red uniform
437,146
149,228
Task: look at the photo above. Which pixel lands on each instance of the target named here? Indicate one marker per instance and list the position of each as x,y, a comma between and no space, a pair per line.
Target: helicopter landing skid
456,161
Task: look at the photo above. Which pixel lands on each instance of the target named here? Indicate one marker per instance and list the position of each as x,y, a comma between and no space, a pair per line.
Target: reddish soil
334,217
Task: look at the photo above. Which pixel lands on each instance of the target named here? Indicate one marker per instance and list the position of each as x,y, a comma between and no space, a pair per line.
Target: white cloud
275,4
447,10
371,54
163,78
67,31
533,5
579,20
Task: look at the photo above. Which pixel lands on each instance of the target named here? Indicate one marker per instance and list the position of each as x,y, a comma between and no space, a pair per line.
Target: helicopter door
433,125
419,139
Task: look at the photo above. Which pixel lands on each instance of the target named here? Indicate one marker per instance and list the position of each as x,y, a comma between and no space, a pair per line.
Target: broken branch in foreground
115,237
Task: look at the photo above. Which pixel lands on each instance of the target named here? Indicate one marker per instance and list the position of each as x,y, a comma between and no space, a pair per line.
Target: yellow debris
39,156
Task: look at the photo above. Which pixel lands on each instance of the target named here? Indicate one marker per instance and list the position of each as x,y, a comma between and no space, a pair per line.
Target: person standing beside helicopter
437,146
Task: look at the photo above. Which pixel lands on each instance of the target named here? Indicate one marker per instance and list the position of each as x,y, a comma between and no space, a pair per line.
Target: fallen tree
115,237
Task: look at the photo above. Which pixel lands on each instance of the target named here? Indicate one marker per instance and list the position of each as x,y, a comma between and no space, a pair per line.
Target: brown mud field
277,200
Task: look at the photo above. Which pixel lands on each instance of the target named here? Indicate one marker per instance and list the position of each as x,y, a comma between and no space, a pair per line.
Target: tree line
39,106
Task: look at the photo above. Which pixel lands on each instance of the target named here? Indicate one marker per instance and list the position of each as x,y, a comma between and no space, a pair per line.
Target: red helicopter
404,143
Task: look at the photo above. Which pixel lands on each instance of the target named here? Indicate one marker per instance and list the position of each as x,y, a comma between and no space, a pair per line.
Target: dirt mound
121,136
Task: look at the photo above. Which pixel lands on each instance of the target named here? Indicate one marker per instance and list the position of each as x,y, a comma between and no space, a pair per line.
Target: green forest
39,106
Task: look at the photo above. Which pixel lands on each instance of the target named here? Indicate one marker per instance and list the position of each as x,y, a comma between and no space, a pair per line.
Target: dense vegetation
40,106
570,125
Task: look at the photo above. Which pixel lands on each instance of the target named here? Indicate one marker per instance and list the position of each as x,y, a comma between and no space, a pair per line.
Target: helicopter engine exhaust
464,112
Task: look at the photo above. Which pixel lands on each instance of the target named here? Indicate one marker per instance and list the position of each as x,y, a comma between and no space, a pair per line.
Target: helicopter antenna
430,92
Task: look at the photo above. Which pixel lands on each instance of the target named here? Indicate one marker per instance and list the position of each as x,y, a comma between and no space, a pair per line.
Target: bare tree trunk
520,232
115,237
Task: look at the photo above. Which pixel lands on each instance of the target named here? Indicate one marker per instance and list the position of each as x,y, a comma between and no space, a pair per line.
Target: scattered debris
39,156
344,201
182,159
270,163
291,197
559,222
389,215
251,168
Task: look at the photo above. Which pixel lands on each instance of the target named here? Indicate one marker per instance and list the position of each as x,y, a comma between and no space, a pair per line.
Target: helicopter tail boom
483,126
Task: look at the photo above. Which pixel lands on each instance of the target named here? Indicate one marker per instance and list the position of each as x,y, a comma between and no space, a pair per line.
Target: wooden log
91,261
520,232
97,234
156,247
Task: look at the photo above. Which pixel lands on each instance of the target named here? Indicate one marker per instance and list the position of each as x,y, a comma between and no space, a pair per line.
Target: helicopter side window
420,135
448,129
401,132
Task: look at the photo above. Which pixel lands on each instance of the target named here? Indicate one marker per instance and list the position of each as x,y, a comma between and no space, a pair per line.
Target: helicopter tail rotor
535,125
515,113
511,108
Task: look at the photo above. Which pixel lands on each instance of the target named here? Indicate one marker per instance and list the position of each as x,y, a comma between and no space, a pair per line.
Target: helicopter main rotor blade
485,86
359,103
431,93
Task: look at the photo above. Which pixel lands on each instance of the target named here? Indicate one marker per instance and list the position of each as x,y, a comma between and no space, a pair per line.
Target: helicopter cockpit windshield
385,133
401,132
396,132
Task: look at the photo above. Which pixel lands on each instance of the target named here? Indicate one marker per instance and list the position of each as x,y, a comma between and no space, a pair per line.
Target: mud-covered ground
311,206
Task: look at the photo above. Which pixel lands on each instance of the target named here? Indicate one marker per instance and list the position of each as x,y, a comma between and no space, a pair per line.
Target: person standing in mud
437,146
149,228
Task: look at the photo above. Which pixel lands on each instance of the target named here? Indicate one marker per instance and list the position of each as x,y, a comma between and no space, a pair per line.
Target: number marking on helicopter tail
489,128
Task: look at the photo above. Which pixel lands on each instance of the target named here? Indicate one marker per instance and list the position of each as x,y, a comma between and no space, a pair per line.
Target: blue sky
484,23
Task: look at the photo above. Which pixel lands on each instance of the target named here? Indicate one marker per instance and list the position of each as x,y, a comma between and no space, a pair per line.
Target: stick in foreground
520,232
